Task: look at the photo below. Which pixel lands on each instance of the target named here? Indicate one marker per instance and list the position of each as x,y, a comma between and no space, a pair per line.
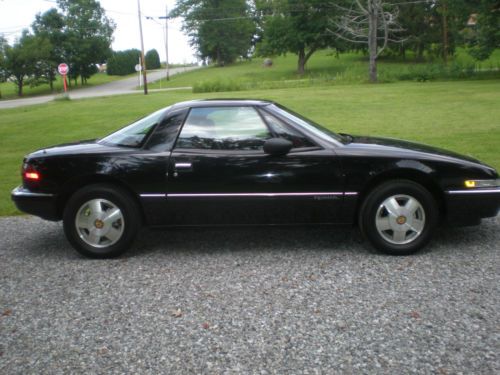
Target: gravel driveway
264,301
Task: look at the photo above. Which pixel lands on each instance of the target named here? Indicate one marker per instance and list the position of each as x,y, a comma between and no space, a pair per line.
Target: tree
422,28
88,36
296,26
484,37
454,15
49,26
123,62
368,23
3,47
23,61
152,59
221,30
435,26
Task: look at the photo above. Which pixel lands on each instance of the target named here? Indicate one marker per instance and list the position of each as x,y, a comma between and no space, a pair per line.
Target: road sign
138,68
63,69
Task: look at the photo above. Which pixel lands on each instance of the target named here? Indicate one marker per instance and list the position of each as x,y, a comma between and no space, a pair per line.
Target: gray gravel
260,301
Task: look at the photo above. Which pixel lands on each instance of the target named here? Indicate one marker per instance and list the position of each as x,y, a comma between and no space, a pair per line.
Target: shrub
123,62
218,86
152,60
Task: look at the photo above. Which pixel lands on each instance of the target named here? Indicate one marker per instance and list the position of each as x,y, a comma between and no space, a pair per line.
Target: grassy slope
323,65
461,116
9,90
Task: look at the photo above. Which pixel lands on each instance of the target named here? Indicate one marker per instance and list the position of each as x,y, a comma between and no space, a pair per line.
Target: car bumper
43,205
468,207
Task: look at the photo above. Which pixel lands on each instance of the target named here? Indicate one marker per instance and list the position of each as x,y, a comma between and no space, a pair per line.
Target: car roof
221,102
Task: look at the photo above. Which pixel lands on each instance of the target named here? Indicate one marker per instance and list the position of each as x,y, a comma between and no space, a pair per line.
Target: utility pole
143,60
166,40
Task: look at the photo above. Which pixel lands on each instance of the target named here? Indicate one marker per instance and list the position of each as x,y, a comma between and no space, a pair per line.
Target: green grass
326,69
9,90
460,116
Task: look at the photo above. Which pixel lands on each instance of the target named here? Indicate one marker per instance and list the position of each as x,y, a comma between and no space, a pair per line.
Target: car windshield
134,134
318,130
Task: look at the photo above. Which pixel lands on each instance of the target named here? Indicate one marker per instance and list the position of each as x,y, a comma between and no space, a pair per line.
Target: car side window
163,137
223,128
283,130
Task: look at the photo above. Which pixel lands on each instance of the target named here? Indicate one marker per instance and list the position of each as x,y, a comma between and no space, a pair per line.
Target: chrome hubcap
400,219
99,223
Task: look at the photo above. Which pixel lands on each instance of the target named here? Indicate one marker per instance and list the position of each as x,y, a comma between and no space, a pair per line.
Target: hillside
327,68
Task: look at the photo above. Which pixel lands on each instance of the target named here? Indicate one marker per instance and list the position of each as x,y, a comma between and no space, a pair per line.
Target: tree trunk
219,57
445,32
301,66
51,80
420,52
372,38
20,88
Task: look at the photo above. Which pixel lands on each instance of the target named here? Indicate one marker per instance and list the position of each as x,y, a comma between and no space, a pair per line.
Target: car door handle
179,167
183,165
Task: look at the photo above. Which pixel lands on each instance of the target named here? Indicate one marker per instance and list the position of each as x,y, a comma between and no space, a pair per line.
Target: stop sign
63,69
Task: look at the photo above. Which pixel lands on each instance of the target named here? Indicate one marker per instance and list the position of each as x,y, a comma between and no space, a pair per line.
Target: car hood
88,147
379,145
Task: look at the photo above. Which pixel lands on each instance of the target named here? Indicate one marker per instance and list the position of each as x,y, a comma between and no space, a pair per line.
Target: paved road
120,87
249,301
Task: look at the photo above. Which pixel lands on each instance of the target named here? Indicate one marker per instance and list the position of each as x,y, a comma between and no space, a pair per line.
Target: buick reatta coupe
251,162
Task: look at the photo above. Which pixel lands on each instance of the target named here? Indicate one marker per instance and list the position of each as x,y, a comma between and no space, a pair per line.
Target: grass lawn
9,90
324,68
460,116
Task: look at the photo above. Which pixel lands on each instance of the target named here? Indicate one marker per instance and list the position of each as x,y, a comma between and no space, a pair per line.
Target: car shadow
243,239
50,241
455,237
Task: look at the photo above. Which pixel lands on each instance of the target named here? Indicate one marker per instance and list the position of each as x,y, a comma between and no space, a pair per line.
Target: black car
233,162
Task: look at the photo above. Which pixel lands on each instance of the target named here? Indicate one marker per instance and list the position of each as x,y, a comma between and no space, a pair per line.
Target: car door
218,173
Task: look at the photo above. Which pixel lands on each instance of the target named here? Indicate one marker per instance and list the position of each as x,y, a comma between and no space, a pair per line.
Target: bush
430,72
152,60
123,62
218,86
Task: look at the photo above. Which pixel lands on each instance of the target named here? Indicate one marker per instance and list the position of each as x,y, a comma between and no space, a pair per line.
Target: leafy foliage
152,59
484,37
221,30
25,61
3,47
123,62
3,74
49,28
88,36
296,26
79,34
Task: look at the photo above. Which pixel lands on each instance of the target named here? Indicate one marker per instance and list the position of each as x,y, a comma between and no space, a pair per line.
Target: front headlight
482,183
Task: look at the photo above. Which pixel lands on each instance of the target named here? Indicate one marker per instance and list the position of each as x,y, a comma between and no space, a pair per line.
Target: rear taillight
30,173
33,176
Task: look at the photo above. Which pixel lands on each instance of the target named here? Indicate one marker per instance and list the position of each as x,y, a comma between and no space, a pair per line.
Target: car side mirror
277,146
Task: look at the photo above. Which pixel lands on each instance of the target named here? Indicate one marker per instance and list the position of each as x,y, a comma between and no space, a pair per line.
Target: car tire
101,221
399,217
